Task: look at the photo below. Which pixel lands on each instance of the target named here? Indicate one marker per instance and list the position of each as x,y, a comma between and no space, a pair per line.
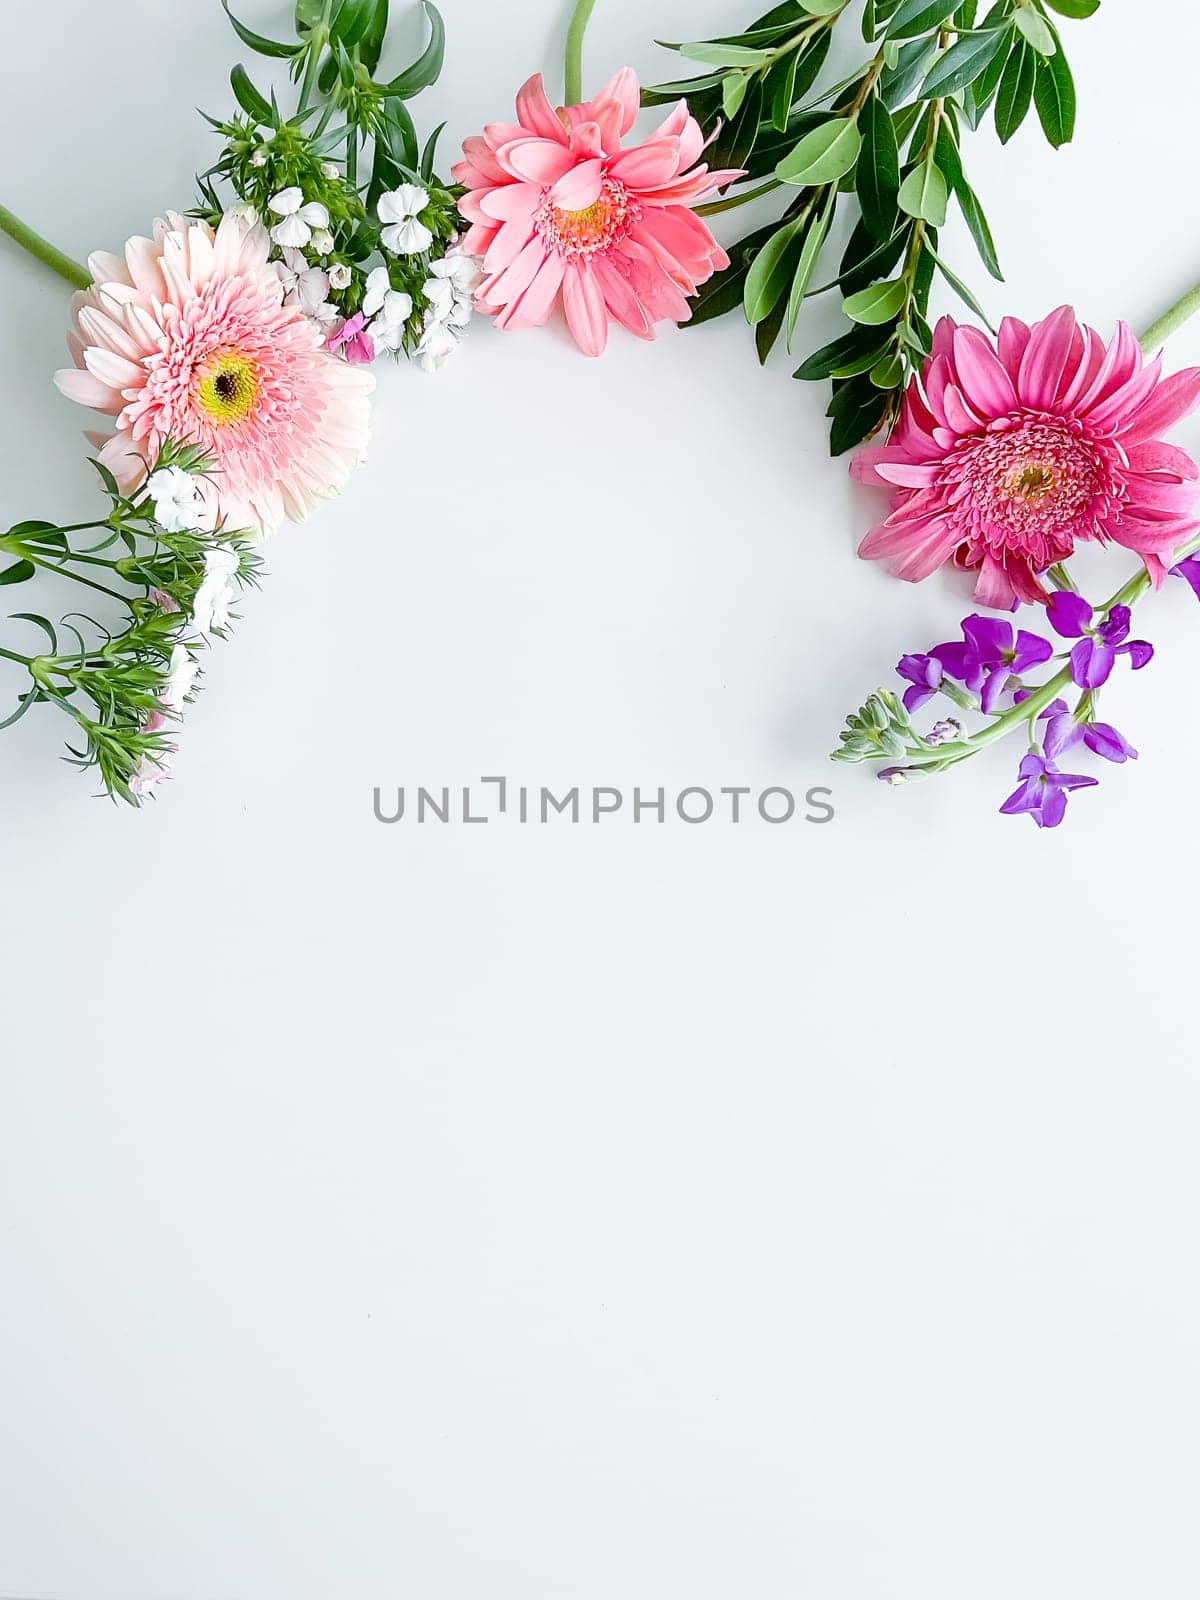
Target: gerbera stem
573,88
1171,320
42,250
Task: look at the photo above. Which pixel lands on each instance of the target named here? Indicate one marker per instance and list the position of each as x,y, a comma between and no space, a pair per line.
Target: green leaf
248,97
813,242
821,8
426,69
38,622
961,290
781,90
1016,90
371,47
888,373
877,177
897,83
352,21
308,14
1036,30
1079,9
857,409
19,572
823,363
924,195
724,55
867,361
771,270
256,42
877,304
972,212
965,60
822,156
1054,96
918,16
733,92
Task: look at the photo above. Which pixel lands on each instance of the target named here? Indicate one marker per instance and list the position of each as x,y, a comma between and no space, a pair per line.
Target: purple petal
1104,740
993,687
1054,709
1027,798
1073,780
916,696
990,638
1031,651
1092,663
1054,809
1116,629
953,658
1140,653
1061,732
921,670
1189,571
1068,613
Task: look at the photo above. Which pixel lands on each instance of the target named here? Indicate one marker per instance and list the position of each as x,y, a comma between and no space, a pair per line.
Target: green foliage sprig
111,682
887,142
350,139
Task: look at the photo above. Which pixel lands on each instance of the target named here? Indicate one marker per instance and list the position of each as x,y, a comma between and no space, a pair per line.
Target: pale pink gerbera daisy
556,206
187,338
1008,455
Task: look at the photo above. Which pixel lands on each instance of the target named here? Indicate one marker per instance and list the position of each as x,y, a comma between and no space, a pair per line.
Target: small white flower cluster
179,508
450,291
389,310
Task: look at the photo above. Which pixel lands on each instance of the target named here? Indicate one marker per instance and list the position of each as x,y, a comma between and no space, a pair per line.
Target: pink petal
537,160
514,281
533,308
914,549
1155,456
985,381
535,112
580,187
622,88
1014,337
647,166
1175,398
1045,358
587,141
621,300
88,390
507,245
583,303
513,201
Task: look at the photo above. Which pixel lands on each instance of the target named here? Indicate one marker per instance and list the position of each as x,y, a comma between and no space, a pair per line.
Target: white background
592,1213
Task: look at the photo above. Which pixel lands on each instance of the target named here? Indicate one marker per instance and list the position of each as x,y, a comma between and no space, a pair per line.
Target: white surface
580,1213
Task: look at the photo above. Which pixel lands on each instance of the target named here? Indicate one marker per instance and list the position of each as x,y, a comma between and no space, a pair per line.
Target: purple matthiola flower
1043,790
1062,732
1094,657
924,677
991,656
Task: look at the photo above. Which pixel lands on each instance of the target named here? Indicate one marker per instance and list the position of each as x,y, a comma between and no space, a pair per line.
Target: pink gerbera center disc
592,229
1030,487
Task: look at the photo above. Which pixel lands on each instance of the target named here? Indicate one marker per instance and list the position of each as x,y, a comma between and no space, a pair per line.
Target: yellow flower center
228,387
1031,482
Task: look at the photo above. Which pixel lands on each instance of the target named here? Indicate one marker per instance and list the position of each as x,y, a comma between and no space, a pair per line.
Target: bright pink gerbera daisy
555,204
1006,456
187,338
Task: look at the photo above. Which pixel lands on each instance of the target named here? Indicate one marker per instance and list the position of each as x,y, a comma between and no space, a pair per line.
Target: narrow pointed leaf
877,177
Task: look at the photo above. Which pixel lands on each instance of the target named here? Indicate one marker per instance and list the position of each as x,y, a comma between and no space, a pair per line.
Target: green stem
1171,320
580,17
42,250
76,577
11,655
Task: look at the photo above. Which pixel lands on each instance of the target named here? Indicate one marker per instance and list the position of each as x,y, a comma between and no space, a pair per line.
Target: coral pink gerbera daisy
556,206
187,338
1007,455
